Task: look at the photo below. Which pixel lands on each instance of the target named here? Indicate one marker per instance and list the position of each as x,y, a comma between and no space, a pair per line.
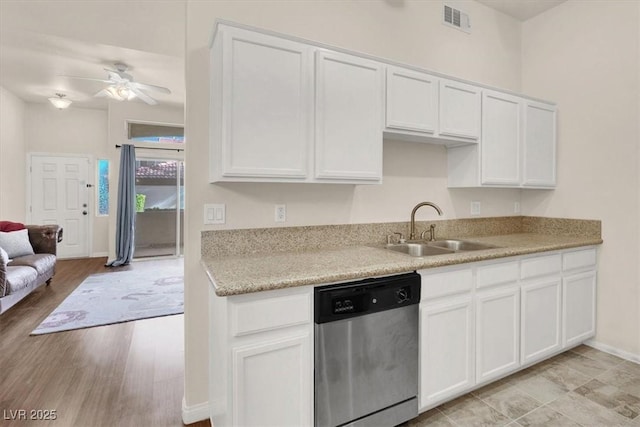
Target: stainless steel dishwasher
366,352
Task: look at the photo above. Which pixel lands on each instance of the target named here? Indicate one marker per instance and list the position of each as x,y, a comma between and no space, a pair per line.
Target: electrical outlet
475,208
281,213
214,213
516,207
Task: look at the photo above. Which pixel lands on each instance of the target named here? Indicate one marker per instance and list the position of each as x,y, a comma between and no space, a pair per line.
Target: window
103,187
155,133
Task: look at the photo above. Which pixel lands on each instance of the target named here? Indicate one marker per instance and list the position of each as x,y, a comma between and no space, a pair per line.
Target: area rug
108,298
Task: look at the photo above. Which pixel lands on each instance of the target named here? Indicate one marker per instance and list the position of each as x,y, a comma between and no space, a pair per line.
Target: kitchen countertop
241,274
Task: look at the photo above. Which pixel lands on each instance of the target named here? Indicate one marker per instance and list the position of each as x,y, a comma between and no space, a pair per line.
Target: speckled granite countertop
246,273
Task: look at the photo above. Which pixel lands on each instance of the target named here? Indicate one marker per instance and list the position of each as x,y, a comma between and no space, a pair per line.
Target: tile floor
581,387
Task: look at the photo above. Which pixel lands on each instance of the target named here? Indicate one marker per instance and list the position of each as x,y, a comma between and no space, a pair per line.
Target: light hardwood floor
129,374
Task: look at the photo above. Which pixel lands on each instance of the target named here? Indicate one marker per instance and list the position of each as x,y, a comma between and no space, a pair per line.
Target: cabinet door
501,135
446,350
541,319
459,110
412,101
273,383
349,93
497,332
539,145
267,105
579,308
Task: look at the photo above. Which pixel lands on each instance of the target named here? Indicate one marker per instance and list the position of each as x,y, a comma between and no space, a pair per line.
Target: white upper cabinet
289,111
539,145
500,146
425,108
348,113
517,148
285,109
412,102
459,110
262,102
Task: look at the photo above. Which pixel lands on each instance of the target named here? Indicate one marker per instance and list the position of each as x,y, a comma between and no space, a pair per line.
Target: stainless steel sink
418,249
439,247
460,245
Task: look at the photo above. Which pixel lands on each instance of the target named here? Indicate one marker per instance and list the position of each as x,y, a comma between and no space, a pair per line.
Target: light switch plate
281,213
214,213
475,208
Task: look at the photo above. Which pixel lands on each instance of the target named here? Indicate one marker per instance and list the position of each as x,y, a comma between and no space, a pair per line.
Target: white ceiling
42,41
521,9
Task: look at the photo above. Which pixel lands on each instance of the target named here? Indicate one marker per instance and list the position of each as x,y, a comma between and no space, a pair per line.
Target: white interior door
59,195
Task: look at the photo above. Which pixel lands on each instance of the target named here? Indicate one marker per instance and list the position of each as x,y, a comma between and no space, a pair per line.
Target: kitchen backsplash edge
216,243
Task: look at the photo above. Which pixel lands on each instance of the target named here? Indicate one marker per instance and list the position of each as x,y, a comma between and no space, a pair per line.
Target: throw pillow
4,259
16,243
8,226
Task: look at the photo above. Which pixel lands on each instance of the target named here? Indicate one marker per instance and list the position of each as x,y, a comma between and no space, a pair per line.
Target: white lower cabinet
271,382
446,349
261,358
541,319
497,332
483,321
578,307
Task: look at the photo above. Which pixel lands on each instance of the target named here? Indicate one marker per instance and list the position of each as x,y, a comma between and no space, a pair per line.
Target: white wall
584,55
71,131
119,113
12,158
405,31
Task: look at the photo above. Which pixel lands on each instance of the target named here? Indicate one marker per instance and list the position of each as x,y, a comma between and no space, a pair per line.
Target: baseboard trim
99,254
193,414
613,350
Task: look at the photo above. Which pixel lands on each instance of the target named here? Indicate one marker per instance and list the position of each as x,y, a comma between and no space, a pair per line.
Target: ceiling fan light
126,93
123,92
59,101
112,92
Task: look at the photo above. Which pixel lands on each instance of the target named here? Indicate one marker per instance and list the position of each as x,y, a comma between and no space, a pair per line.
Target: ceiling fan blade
102,94
150,87
121,74
87,78
140,94
114,77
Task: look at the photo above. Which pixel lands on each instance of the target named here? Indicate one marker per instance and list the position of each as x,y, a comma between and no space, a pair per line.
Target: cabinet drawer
579,259
253,316
540,266
435,285
497,274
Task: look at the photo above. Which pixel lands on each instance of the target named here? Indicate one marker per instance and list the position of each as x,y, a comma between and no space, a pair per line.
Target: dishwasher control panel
336,302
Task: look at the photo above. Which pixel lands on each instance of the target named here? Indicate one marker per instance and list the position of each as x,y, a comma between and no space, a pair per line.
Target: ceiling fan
121,86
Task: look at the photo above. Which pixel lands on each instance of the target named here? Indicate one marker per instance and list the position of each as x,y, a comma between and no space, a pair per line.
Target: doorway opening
159,227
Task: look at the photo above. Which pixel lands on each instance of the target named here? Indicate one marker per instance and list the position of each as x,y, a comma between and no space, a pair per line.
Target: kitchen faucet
412,234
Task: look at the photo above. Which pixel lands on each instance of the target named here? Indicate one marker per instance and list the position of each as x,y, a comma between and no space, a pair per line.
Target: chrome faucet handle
431,231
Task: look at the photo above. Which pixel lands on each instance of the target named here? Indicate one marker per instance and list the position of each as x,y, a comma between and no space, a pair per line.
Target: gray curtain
126,219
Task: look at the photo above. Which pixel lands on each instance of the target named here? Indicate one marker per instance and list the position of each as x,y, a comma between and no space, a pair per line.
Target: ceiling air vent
456,18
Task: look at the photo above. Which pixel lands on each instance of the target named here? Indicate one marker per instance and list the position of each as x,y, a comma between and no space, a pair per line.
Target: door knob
84,212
